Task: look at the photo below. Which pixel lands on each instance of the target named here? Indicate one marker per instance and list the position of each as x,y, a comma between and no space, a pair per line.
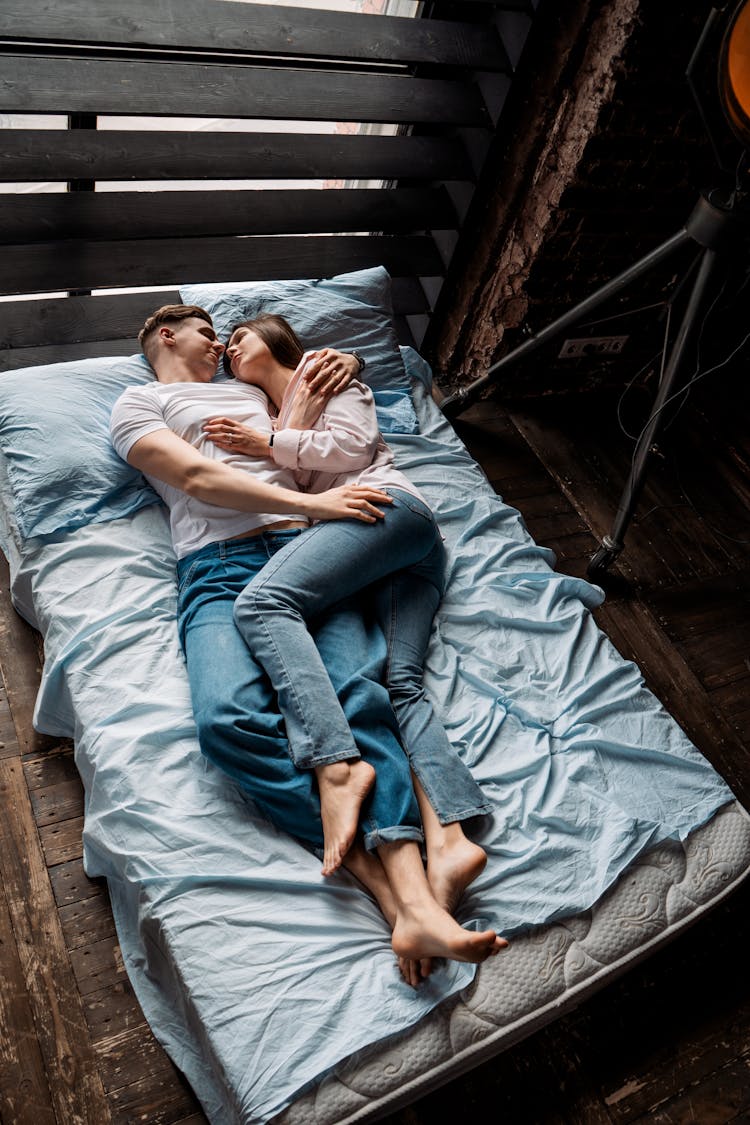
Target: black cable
662,352
698,343
695,379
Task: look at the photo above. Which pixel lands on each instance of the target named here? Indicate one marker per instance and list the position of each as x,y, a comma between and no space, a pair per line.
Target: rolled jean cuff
312,761
483,809
392,835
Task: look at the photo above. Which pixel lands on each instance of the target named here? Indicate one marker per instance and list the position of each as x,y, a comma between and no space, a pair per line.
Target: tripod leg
455,404
613,544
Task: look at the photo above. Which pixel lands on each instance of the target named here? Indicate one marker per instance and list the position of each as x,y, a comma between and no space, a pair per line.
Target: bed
273,990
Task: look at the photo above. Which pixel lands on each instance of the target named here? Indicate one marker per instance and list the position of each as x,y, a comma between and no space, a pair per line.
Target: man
228,515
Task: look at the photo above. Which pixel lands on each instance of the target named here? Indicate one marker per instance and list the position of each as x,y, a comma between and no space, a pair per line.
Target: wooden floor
670,1041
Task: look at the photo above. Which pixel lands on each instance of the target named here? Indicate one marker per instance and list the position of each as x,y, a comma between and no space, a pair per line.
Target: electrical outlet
592,345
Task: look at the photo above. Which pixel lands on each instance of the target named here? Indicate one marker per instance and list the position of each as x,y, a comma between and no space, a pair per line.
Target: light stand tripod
714,228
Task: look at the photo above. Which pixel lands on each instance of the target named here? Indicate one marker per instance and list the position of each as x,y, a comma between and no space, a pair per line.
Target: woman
401,553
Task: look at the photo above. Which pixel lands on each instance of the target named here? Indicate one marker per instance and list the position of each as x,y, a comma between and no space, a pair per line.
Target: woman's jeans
236,712
403,554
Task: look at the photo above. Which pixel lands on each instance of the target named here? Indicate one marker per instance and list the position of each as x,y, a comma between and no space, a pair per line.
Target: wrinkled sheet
256,973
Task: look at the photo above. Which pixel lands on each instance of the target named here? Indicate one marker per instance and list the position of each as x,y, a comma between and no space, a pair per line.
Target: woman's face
247,354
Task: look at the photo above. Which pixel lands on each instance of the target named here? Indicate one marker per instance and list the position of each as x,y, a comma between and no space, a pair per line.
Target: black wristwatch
360,360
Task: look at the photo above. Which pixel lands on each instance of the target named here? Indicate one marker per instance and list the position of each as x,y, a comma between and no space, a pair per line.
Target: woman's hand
236,438
349,501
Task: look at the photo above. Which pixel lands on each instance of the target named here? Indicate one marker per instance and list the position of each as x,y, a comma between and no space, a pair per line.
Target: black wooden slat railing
33,84
49,266
120,154
88,59
44,322
173,214
257,29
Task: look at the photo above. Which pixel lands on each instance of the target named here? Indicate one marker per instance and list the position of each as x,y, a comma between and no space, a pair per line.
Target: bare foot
425,929
415,971
450,869
343,787
366,867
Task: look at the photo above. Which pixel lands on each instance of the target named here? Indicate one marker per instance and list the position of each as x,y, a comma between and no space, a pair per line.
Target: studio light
734,73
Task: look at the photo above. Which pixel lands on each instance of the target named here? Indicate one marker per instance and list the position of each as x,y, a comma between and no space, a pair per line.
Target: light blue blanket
256,973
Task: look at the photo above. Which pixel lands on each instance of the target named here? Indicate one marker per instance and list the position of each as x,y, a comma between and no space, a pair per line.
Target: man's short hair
167,314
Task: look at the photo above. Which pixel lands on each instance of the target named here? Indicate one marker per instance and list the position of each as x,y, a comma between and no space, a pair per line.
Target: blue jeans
403,554
236,713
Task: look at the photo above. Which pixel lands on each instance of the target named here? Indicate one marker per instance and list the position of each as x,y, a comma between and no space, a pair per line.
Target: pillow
417,367
61,471
350,311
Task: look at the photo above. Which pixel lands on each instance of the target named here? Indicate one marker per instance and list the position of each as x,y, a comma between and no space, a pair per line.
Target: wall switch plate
592,345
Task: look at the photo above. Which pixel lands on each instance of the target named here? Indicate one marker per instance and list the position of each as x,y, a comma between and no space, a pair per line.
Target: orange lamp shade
734,73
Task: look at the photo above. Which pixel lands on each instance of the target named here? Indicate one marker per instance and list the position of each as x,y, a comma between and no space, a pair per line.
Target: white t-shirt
184,408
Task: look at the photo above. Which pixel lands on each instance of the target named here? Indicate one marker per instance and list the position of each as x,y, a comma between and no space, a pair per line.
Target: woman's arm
346,440
164,455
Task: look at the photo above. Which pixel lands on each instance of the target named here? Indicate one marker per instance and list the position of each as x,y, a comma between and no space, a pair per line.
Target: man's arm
164,455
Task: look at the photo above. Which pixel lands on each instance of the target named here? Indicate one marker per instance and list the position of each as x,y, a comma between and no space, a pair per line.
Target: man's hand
236,438
330,372
349,501
327,373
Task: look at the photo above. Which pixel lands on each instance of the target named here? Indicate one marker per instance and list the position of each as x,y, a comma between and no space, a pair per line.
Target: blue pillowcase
62,471
352,311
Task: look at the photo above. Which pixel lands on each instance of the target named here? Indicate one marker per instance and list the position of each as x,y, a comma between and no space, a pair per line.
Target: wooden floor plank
157,1099
87,921
62,841
720,656
55,803
695,607
8,741
75,1085
130,1056
20,668
25,1097
55,765
733,701
110,1011
71,884
98,965
723,1098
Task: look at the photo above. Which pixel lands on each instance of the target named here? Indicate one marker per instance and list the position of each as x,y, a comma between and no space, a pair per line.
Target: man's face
196,343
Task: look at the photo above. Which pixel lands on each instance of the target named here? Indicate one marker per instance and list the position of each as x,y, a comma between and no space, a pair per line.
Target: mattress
546,972
275,990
